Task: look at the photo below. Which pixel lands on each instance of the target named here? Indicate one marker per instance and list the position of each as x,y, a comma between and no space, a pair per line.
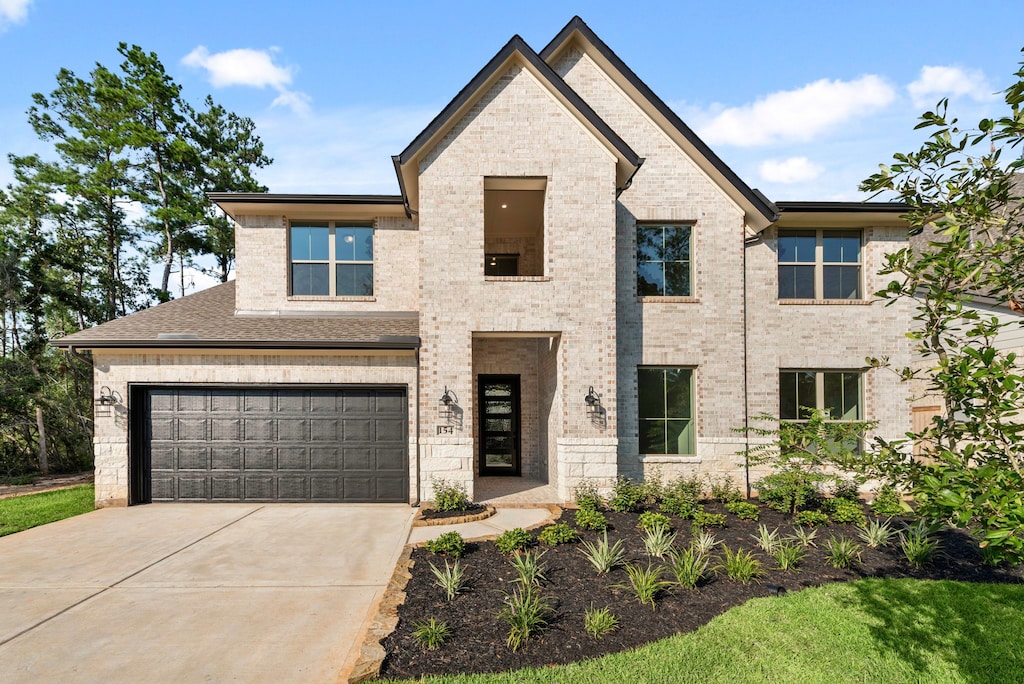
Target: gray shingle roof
207,319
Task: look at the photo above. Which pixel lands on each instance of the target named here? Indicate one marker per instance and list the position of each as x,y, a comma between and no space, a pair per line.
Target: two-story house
570,285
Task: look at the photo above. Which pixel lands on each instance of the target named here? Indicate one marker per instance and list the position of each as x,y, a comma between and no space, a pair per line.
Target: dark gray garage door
272,444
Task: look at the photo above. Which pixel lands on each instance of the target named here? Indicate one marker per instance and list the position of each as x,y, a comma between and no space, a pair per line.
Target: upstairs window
514,226
836,392
666,410
819,264
663,265
331,259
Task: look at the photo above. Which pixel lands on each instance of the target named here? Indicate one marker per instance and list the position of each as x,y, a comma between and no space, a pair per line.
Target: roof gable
760,211
516,51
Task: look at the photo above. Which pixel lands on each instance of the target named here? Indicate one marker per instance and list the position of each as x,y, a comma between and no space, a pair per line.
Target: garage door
272,444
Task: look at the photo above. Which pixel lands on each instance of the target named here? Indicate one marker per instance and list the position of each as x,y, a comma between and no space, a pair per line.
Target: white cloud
252,68
792,170
13,12
936,82
797,115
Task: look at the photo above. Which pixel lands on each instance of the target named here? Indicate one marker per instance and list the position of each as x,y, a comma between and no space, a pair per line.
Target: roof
309,206
515,50
842,214
207,319
751,199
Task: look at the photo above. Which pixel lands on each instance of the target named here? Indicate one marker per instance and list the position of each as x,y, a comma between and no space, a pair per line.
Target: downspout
747,242
416,501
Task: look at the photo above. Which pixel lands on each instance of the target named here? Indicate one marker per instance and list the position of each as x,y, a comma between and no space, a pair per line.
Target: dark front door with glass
499,424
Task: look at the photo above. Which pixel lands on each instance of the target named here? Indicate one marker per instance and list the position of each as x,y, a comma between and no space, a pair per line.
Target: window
514,226
663,261
666,410
837,392
331,259
819,264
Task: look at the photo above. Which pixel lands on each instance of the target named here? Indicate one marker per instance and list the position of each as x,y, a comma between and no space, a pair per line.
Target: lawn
869,630
22,512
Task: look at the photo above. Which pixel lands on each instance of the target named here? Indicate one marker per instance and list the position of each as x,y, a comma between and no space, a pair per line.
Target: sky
802,99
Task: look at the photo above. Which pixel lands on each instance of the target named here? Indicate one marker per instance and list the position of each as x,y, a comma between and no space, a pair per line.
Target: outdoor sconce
592,400
449,398
106,401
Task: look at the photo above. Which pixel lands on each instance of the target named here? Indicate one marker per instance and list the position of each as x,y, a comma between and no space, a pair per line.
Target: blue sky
802,99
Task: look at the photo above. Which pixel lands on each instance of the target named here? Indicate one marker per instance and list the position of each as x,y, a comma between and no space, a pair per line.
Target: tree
962,188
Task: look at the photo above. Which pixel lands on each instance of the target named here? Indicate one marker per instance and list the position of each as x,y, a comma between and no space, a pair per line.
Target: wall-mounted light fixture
106,400
449,398
593,399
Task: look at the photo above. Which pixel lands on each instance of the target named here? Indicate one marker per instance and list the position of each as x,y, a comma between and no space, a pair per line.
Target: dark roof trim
270,198
384,342
844,207
516,44
397,161
576,24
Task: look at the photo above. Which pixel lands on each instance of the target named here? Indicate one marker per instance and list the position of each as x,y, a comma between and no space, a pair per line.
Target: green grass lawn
22,512
866,631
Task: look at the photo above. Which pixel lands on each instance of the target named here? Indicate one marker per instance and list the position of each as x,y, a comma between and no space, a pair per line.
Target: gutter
390,342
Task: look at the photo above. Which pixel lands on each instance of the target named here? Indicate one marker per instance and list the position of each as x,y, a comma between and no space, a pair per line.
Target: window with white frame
838,393
666,410
331,259
819,264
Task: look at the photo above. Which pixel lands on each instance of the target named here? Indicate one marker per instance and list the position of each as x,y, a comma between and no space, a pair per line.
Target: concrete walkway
503,519
190,593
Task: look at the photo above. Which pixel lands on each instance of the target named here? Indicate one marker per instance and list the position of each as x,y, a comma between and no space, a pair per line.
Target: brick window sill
668,300
517,279
319,298
826,302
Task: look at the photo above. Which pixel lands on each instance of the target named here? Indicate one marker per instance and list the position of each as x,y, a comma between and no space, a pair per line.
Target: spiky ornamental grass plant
451,580
919,543
602,556
599,621
645,583
767,540
529,567
876,533
689,566
526,612
431,633
842,552
658,541
805,536
789,555
705,541
740,565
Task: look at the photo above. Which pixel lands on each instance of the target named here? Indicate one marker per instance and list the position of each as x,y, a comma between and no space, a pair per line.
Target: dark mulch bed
433,514
477,642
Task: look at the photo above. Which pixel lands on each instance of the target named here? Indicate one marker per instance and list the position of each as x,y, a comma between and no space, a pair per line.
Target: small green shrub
682,496
919,543
887,503
591,519
515,539
767,540
876,533
527,612
842,552
587,496
740,565
789,555
846,489
556,534
658,541
431,633
689,566
811,518
649,520
450,580
599,622
654,489
627,496
645,583
744,510
848,511
449,495
788,491
529,567
601,555
804,535
704,519
448,544
724,490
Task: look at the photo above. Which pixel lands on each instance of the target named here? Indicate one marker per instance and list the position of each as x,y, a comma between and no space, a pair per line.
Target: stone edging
455,520
372,653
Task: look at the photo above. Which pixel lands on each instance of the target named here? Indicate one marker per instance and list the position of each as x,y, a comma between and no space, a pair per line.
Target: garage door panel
273,444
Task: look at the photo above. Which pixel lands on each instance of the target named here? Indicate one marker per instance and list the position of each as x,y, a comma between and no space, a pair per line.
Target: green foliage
744,510
600,621
689,566
528,567
842,552
811,518
789,555
847,489
682,496
451,580
804,536
24,512
740,565
627,496
591,519
431,633
789,491
587,496
887,503
646,583
449,495
846,511
602,556
965,197
919,543
767,540
658,541
702,518
876,533
649,520
448,544
515,539
724,490
556,534
705,542
527,612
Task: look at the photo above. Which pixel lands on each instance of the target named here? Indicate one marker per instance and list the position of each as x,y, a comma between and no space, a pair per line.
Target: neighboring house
570,285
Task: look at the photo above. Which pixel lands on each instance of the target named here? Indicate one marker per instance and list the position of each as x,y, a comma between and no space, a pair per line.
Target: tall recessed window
819,264
514,226
331,259
666,410
663,265
836,392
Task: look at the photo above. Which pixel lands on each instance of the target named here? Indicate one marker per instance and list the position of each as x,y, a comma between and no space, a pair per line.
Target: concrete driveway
201,592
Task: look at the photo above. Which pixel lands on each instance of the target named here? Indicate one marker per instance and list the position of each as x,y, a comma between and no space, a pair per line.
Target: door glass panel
498,408
499,461
498,425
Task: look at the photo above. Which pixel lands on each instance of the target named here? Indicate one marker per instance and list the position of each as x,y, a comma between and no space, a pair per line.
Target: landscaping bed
477,640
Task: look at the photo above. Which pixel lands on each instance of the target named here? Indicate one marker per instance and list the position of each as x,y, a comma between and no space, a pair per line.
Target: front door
499,424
